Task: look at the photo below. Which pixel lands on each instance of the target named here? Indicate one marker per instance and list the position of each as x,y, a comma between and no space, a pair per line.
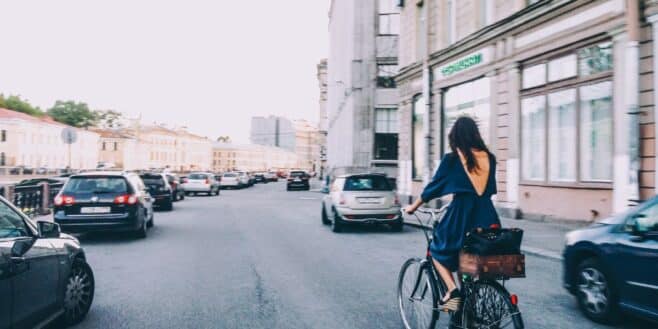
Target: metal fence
33,200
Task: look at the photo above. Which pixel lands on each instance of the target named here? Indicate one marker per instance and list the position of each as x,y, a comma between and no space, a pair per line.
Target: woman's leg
446,276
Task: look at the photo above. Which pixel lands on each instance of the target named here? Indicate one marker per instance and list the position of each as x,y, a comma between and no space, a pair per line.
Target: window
468,99
103,148
385,74
3,160
12,224
386,134
533,134
644,221
367,183
566,119
3,136
389,18
417,133
115,146
486,8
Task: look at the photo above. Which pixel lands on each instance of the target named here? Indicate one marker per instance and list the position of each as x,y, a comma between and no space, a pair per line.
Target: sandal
453,301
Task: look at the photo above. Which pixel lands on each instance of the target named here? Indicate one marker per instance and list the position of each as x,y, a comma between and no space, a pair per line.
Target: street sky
206,64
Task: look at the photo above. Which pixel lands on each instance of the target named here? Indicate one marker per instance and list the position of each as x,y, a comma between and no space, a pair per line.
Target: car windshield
153,180
367,183
96,185
230,175
197,176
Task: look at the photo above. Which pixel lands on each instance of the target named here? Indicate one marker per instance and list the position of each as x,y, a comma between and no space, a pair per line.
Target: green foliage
73,114
109,118
15,103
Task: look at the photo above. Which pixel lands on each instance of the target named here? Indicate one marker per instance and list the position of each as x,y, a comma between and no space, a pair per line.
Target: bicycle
486,302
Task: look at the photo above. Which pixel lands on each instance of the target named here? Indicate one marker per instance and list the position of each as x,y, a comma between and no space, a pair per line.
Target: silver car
201,182
361,199
230,180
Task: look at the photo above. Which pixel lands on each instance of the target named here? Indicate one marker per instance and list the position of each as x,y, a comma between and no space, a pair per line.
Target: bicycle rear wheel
488,305
417,295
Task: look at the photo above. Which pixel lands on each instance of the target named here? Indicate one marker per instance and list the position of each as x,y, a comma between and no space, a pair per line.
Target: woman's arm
410,209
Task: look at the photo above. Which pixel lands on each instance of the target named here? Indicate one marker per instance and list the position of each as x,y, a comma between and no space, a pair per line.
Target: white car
361,199
230,180
244,178
201,182
271,176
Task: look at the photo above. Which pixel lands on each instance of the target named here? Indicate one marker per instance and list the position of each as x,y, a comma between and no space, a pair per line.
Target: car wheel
79,293
169,206
181,196
142,230
595,292
397,226
336,225
325,219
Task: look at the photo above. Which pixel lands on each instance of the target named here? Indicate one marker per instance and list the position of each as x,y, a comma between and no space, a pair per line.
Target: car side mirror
48,230
21,246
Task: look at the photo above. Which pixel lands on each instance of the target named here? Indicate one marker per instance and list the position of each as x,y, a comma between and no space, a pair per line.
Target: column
654,32
513,173
621,153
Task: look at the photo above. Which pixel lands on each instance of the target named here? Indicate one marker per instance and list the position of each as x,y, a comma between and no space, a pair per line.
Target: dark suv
43,273
298,179
104,201
612,266
159,188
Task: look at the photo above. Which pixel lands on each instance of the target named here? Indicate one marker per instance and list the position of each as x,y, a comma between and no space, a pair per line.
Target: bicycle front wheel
488,305
417,295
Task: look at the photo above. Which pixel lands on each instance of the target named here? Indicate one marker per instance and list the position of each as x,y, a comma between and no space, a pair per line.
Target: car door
637,248
5,283
142,193
333,198
34,273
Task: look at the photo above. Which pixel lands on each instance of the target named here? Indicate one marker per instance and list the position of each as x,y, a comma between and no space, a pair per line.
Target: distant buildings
362,96
31,141
299,136
251,157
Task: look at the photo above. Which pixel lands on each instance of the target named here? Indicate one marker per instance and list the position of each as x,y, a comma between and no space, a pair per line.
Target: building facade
362,130
273,131
323,120
36,142
251,157
307,146
562,90
119,148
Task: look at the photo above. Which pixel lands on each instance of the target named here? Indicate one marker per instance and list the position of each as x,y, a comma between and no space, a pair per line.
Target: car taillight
514,299
289,179
391,216
64,200
207,181
125,199
396,201
341,199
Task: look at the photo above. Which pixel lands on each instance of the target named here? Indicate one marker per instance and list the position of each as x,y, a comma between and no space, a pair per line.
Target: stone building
251,157
563,92
273,131
362,101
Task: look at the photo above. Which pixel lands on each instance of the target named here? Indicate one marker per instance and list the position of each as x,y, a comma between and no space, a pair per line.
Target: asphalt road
260,258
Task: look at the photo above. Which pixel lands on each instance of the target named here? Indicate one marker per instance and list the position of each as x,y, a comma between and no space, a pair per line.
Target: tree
73,114
224,139
15,103
109,118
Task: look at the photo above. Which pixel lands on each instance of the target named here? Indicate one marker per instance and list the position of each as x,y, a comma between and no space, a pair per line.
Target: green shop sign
462,64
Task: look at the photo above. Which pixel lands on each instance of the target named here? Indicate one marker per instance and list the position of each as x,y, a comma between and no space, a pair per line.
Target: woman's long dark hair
465,136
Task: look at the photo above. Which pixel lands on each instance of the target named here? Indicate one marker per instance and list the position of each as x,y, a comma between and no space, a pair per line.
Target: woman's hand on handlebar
410,209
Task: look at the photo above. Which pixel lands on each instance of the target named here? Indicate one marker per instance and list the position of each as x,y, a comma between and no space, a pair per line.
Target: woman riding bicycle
469,173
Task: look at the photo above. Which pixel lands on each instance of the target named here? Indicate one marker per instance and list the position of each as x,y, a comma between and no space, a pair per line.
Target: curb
538,252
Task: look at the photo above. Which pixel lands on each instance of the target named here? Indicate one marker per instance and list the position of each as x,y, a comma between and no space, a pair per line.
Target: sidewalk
543,239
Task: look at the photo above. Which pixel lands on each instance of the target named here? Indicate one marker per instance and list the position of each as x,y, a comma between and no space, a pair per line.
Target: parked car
611,266
230,180
176,186
158,187
21,170
104,201
361,199
244,179
298,179
201,182
259,177
42,171
44,274
271,176
37,181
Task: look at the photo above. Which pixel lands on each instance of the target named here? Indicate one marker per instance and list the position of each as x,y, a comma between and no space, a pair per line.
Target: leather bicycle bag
493,241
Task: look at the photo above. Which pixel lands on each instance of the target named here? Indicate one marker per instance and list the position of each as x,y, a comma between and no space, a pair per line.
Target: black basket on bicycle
493,253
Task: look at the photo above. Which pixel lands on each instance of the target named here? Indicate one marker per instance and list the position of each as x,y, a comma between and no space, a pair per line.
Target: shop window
468,99
595,59
386,134
596,131
385,74
562,135
534,76
562,68
566,133
389,18
533,135
418,154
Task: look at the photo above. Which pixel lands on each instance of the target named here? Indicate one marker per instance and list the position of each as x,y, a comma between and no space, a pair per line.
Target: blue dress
467,211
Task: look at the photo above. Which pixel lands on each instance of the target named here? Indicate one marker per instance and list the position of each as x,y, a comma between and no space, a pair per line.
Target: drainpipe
427,93
632,97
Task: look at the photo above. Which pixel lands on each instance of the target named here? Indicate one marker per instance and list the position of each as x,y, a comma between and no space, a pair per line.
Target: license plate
297,180
370,200
94,210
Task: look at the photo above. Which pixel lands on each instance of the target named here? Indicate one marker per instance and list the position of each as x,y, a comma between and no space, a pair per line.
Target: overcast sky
207,64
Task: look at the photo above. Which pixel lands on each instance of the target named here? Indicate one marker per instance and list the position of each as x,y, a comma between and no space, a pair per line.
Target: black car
259,177
612,266
298,179
160,190
21,170
177,188
44,275
104,201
